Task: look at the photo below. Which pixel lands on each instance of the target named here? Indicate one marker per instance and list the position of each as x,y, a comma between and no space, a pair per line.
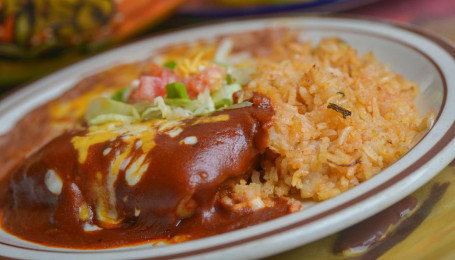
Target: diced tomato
211,78
149,88
166,74
154,85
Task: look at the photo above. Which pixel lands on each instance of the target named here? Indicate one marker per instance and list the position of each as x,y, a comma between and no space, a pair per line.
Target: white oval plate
418,56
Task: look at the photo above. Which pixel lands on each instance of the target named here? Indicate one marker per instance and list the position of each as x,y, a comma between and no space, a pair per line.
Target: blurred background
38,37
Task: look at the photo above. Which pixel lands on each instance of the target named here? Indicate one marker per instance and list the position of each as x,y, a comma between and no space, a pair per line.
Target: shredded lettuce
222,97
162,110
242,75
183,103
177,104
223,50
240,105
141,106
103,110
178,113
108,118
222,64
206,104
151,113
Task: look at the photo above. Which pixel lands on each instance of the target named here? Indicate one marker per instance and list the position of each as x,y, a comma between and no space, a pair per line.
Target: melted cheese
74,108
84,212
137,211
211,119
103,133
89,227
135,171
186,67
106,206
53,182
190,140
135,136
94,136
175,132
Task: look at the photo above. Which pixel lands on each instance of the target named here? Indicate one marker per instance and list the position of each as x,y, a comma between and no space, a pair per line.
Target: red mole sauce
39,126
55,199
